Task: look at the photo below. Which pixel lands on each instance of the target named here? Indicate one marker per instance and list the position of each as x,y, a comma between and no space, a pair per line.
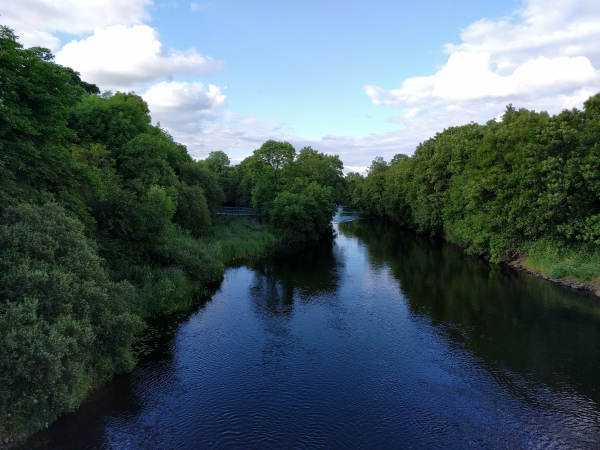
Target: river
375,339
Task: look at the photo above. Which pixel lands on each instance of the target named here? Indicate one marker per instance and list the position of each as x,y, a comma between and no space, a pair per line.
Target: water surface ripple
375,339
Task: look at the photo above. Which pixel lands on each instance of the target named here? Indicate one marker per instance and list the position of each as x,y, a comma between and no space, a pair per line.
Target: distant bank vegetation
105,220
528,185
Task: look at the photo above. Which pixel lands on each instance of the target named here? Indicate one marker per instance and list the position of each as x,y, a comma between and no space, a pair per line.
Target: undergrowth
578,263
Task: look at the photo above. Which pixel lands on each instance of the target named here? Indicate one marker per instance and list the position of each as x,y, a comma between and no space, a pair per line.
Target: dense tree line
297,191
526,184
105,220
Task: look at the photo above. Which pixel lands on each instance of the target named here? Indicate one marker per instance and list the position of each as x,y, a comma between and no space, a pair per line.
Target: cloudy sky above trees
351,78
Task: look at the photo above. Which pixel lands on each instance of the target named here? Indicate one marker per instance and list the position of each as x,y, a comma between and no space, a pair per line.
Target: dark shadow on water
124,395
512,321
304,271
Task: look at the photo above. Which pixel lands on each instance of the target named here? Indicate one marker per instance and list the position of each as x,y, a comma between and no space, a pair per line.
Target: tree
271,168
324,169
217,162
110,120
192,210
36,97
304,211
193,174
63,324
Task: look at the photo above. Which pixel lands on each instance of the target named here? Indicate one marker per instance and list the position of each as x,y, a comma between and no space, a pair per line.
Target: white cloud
120,57
470,76
548,28
179,96
181,107
199,6
204,127
34,21
544,57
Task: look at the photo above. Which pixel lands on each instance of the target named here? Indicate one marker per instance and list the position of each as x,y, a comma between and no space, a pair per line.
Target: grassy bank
237,237
579,263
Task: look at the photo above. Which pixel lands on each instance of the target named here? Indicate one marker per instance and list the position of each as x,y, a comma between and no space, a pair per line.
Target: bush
305,213
158,290
556,260
64,326
199,262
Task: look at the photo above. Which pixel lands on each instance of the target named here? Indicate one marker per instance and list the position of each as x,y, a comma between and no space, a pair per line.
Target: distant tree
324,169
304,211
192,211
193,174
217,162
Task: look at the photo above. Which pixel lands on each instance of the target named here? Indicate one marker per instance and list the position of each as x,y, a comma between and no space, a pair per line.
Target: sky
353,78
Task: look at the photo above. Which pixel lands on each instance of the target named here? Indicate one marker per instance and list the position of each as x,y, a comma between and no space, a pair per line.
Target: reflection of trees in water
508,319
300,271
127,396
307,271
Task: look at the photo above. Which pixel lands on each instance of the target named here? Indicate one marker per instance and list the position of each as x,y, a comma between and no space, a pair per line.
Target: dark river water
375,339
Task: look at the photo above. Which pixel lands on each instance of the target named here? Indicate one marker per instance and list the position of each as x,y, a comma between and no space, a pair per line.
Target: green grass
164,290
577,263
237,237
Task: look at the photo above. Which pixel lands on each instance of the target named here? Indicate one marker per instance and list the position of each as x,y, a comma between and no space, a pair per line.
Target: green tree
272,170
304,211
36,97
323,169
193,174
216,162
63,325
192,210
110,120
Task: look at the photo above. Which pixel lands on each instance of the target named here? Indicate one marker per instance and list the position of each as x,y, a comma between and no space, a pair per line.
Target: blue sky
356,79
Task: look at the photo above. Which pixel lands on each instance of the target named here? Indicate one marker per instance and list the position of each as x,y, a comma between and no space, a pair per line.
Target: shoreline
238,239
515,264
575,285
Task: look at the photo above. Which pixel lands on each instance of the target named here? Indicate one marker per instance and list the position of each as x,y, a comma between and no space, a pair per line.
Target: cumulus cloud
177,96
470,76
181,107
34,21
550,28
544,57
121,57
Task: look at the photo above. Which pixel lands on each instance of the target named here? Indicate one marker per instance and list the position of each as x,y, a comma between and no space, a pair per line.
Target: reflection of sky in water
346,214
363,344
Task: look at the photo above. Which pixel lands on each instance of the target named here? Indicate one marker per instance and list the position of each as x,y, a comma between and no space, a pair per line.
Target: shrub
64,326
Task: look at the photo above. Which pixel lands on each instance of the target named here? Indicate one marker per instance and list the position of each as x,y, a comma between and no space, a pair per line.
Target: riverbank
574,268
239,237
521,264
231,238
